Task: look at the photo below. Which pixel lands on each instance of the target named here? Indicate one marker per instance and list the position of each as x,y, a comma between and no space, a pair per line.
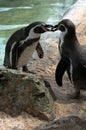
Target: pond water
18,13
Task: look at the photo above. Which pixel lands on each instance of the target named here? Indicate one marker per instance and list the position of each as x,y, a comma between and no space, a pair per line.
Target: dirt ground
64,106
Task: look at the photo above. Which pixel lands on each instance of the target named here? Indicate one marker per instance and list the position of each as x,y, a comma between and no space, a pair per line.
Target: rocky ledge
69,114
66,123
25,92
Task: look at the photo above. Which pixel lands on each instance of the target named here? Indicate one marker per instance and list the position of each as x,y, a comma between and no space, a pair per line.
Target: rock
76,12
25,92
65,123
64,107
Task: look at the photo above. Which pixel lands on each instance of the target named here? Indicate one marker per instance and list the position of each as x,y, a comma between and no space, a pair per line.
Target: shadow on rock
65,123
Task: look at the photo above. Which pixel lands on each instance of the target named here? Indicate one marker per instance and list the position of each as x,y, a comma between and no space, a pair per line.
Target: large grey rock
25,92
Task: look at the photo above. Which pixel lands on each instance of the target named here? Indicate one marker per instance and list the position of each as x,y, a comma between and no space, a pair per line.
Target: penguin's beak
55,28
47,27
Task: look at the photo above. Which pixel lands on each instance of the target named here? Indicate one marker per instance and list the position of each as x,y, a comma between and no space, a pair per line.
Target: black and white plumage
22,44
73,59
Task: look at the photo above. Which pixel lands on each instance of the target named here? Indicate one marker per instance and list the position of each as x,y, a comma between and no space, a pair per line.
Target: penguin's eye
62,28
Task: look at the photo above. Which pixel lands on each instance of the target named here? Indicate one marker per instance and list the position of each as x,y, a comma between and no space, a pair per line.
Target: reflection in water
16,14
7,9
2,48
7,27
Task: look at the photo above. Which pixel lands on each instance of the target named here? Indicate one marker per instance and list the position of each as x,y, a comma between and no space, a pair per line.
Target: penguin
73,58
22,43
63,63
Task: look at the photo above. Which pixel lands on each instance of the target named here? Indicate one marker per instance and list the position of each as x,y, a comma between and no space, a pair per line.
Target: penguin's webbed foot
25,69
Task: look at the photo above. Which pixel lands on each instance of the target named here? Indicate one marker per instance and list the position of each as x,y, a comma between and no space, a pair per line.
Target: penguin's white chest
61,37
26,55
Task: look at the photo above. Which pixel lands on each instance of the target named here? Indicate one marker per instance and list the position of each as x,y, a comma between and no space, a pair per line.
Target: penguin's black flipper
39,50
62,66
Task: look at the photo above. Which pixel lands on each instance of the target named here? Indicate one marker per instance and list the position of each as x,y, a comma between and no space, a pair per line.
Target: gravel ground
46,68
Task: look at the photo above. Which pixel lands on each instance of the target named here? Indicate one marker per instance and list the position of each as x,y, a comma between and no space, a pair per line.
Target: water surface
18,13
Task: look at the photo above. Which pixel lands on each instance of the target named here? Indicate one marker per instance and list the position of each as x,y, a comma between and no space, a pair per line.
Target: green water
15,14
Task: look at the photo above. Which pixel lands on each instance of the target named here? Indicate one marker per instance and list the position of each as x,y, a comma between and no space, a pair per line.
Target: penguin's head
35,29
66,27
41,27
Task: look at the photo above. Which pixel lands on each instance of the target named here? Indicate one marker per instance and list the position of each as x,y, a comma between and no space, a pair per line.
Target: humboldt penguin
73,58
22,43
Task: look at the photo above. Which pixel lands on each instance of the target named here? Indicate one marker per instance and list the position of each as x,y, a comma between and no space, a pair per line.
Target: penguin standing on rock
22,44
73,59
